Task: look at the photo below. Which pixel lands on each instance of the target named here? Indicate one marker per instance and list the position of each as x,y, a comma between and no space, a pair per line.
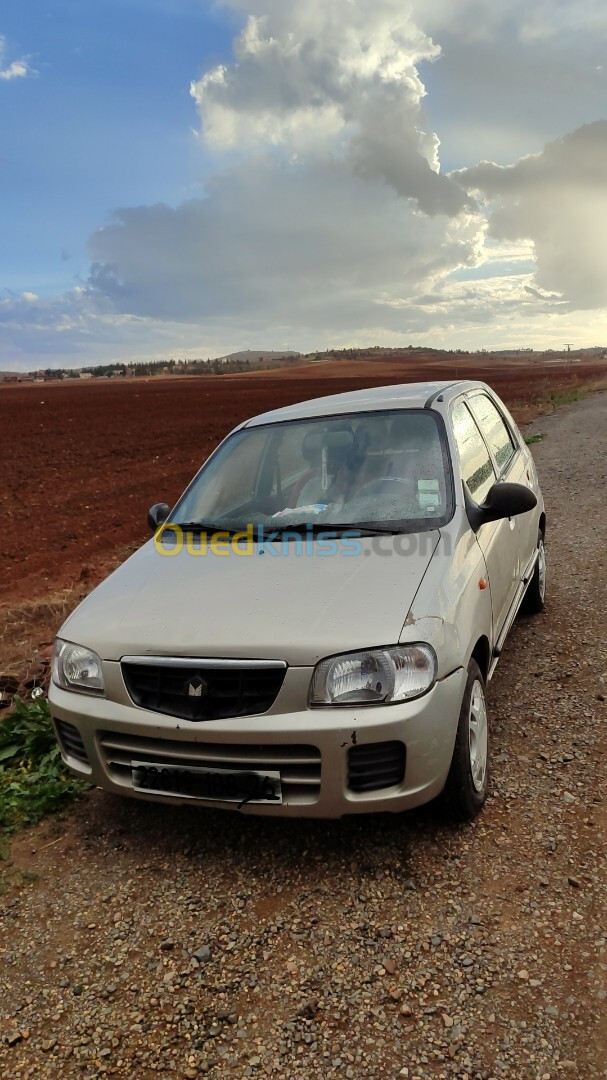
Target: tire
535,597
467,784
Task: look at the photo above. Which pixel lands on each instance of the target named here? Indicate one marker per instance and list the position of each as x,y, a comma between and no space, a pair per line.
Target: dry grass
545,399
28,626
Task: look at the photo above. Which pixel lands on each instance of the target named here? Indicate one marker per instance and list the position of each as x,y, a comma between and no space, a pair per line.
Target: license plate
209,785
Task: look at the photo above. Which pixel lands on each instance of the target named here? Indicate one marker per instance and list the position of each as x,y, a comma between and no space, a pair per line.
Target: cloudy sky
184,178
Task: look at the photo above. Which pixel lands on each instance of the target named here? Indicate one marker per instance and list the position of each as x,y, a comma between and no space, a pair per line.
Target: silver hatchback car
312,627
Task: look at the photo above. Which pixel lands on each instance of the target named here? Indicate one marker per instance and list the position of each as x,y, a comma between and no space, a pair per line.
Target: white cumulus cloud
301,243
16,69
340,77
558,200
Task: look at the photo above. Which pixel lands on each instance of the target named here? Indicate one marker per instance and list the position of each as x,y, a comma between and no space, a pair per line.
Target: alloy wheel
478,735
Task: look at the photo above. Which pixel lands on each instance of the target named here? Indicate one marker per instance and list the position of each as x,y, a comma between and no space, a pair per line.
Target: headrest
413,431
337,444
372,434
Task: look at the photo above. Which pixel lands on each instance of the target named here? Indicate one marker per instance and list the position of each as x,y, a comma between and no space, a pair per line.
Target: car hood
296,608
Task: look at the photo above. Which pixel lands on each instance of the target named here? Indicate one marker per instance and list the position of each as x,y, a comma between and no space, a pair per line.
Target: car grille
373,766
71,741
204,692
299,766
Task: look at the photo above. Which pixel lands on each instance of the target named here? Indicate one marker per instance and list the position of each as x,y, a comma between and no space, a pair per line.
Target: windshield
387,468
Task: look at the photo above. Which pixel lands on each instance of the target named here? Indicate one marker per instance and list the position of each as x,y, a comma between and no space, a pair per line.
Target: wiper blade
375,530
201,526
309,527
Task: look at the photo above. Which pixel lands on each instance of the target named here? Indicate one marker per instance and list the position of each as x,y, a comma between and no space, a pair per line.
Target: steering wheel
378,487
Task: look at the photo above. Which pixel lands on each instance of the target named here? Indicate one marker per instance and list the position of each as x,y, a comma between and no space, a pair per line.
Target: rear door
496,538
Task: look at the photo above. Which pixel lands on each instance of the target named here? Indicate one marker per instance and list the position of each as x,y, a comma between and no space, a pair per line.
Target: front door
512,464
499,540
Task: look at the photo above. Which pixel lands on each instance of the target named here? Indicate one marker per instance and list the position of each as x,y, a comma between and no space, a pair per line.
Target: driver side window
494,429
476,465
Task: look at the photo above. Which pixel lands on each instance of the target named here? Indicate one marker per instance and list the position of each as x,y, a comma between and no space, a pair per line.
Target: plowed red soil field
83,461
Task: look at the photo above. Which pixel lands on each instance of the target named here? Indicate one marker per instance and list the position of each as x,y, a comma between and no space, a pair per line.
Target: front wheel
535,597
467,784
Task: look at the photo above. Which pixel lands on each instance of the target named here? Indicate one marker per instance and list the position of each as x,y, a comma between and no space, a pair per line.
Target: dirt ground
83,461
142,941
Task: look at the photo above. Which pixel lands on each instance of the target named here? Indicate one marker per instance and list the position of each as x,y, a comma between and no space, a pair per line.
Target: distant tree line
196,366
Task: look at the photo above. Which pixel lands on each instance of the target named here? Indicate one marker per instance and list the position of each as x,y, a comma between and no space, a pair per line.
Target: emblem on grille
196,687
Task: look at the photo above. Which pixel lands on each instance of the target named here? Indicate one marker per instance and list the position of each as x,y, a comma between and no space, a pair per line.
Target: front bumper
310,747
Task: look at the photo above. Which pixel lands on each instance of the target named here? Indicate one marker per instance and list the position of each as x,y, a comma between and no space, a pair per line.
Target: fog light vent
71,741
373,766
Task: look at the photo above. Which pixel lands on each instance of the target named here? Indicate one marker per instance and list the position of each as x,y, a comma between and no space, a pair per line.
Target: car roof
398,396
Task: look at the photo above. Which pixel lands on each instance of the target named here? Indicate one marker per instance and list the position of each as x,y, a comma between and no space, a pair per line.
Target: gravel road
140,942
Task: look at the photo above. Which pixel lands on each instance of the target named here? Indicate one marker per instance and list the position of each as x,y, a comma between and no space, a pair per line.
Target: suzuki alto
312,627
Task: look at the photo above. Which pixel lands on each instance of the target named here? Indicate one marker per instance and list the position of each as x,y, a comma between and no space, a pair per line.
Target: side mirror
503,501
157,515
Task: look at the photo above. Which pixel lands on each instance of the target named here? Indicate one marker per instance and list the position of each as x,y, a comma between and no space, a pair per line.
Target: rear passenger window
477,468
494,429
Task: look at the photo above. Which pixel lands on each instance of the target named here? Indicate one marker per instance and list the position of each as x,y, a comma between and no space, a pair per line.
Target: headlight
77,668
375,677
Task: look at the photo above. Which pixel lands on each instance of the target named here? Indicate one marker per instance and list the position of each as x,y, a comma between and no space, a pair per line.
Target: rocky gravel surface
139,941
